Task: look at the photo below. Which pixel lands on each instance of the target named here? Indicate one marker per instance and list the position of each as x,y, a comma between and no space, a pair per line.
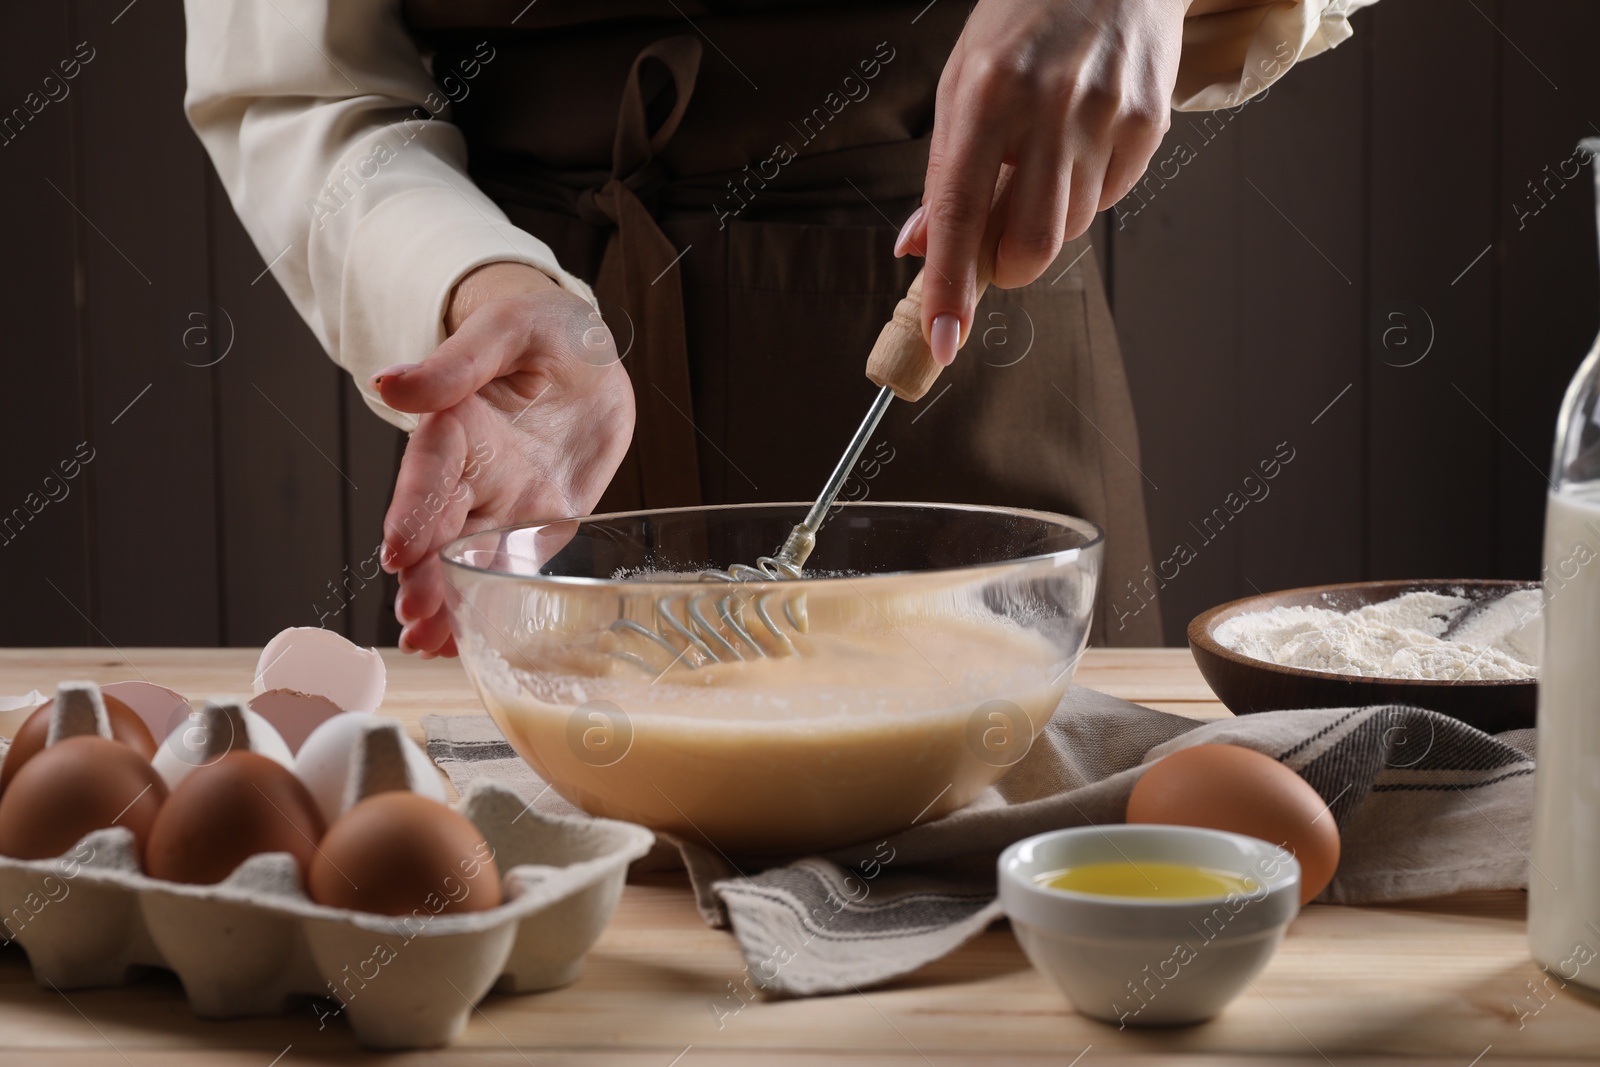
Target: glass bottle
1564,875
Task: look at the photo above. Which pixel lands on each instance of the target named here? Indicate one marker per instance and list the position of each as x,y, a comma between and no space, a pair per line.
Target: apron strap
639,275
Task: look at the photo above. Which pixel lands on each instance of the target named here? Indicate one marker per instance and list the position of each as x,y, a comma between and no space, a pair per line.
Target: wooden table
1438,982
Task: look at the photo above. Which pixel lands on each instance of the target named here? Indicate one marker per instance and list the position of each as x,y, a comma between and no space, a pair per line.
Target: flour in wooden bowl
1421,635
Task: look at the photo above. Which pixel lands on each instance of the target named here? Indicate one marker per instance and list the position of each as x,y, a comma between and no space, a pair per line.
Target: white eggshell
162,709
323,763
14,711
294,715
175,757
309,659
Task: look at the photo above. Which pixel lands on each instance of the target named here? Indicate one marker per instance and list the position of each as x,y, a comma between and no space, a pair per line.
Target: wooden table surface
1438,982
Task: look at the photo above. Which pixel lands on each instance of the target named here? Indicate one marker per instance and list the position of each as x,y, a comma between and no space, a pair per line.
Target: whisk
902,365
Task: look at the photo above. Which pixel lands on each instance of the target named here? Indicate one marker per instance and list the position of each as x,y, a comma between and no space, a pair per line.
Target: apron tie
639,275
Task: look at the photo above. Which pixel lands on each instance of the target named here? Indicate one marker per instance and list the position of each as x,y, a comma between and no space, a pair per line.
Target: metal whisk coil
693,636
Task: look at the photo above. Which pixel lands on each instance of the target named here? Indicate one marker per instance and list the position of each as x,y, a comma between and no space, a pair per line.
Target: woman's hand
1072,97
526,413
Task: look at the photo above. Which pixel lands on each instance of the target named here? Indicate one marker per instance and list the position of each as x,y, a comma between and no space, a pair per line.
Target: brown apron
730,178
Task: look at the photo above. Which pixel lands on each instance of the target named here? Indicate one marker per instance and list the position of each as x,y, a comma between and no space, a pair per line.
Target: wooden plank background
1342,269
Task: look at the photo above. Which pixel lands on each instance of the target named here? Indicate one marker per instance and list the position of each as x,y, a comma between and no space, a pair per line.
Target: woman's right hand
1068,102
526,414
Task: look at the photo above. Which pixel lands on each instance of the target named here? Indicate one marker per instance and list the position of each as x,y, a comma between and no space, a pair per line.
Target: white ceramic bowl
1139,961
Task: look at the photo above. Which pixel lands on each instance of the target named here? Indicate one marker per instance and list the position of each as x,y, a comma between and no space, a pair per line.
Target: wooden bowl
1249,685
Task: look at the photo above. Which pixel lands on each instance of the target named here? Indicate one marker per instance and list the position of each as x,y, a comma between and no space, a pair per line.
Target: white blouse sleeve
1230,56
333,143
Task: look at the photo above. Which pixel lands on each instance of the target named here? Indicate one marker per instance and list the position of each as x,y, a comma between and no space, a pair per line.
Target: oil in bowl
1147,881
1146,924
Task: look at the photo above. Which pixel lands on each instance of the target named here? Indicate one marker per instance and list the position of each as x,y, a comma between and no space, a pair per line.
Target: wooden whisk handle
901,358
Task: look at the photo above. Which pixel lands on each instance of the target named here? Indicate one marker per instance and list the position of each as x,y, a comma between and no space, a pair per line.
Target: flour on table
1400,638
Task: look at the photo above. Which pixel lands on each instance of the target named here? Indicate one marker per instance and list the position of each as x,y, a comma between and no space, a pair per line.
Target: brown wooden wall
1277,293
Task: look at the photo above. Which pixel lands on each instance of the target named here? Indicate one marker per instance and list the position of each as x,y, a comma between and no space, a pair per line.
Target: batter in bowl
871,728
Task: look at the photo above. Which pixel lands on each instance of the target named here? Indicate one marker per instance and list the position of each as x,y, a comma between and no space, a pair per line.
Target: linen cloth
1425,804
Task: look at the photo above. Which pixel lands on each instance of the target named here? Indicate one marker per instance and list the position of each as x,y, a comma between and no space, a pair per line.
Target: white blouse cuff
404,261
1231,56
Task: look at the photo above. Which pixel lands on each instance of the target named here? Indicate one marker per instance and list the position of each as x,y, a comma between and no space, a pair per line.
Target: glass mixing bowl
914,664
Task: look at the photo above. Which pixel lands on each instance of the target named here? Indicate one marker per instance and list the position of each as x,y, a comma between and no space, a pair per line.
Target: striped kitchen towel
1425,804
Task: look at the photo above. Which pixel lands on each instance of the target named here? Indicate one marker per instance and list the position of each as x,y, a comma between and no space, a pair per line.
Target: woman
445,188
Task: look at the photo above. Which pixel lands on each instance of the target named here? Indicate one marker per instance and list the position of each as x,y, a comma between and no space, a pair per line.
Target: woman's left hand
526,413
1072,97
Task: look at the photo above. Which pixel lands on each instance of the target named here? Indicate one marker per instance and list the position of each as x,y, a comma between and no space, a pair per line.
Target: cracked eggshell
318,662
192,742
14,710
294,714
162,709
326,761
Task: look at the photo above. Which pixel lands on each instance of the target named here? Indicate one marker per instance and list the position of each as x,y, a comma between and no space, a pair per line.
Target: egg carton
255,944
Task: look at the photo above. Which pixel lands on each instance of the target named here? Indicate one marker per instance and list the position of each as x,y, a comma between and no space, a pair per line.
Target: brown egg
399,853
1227,787
74,786
227,811
126,727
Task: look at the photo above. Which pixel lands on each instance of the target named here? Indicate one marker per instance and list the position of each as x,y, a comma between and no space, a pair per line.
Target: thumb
498,339
488,345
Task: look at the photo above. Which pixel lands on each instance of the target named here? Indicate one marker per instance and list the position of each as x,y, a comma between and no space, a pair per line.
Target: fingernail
904,238
393,372
945,338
